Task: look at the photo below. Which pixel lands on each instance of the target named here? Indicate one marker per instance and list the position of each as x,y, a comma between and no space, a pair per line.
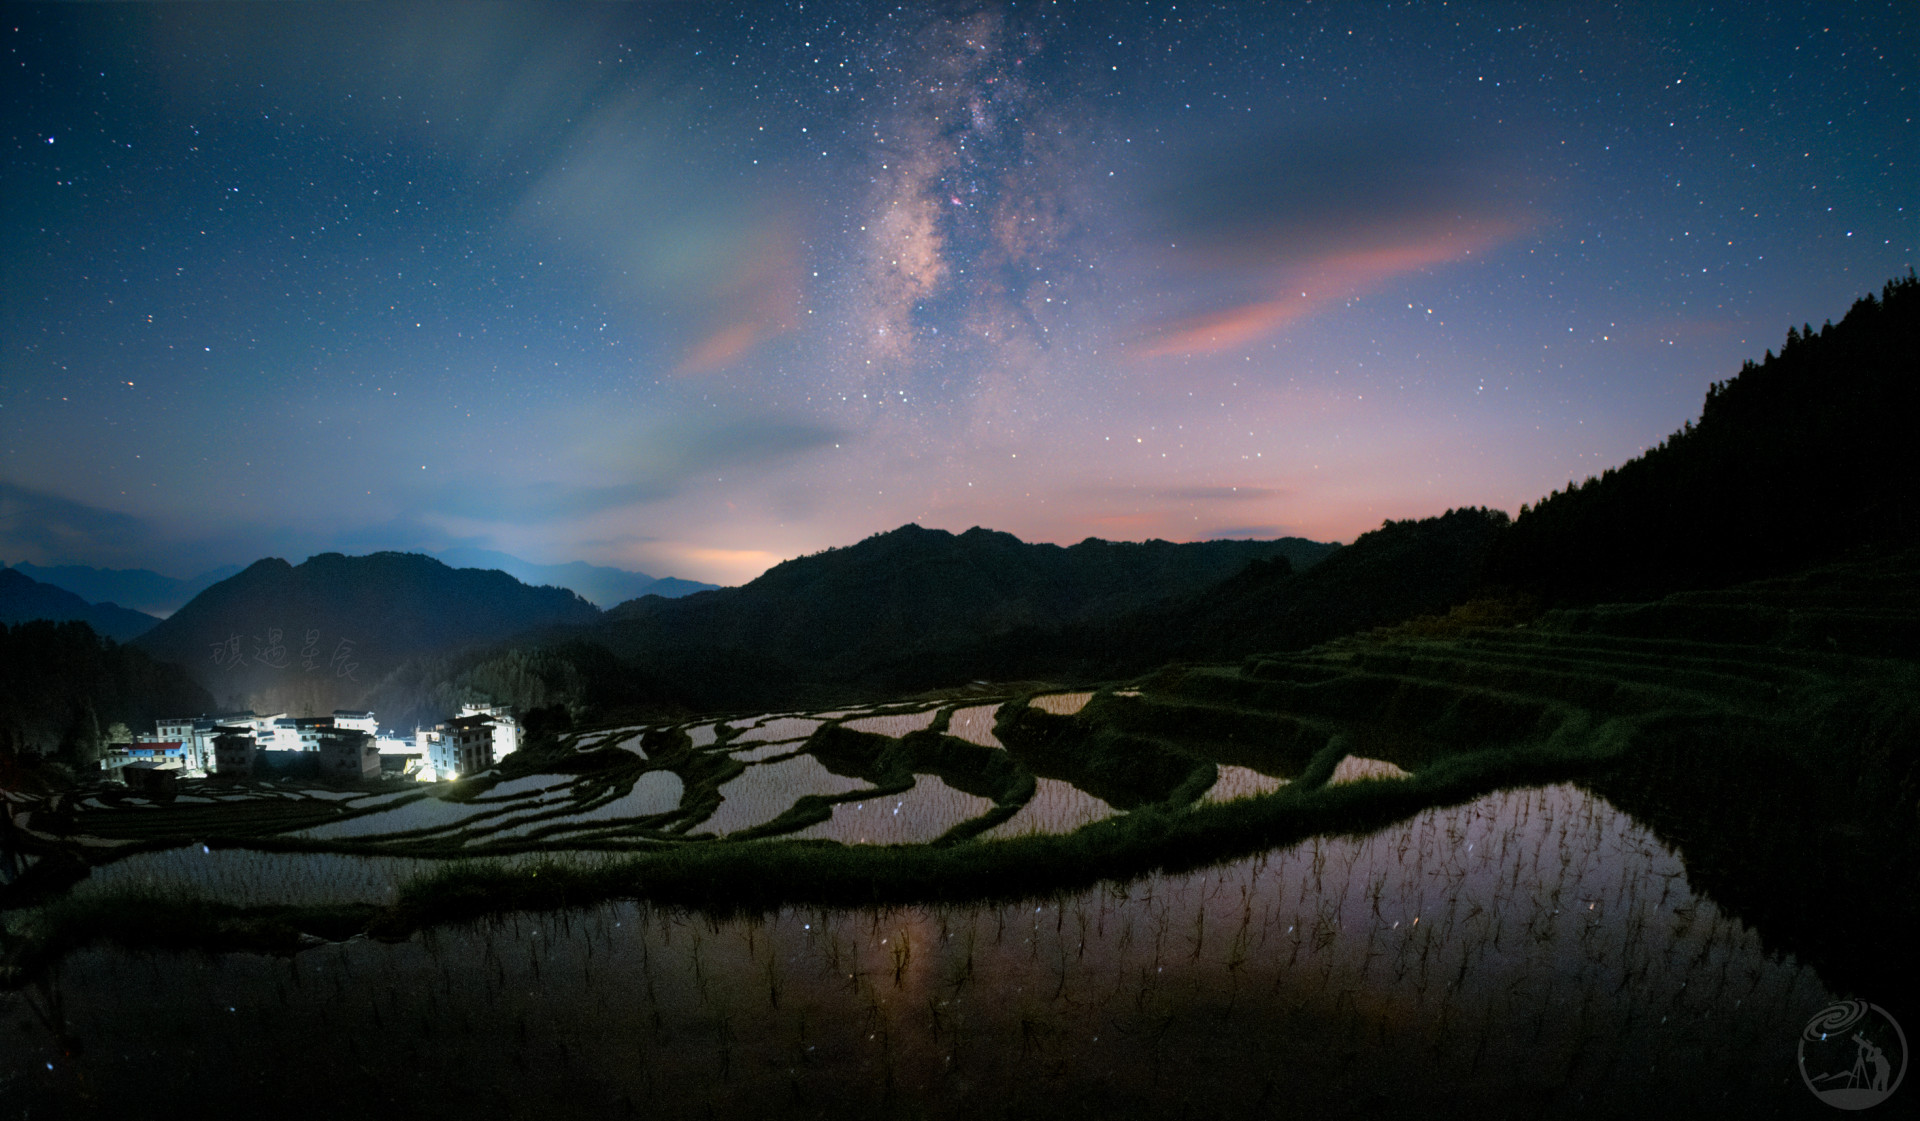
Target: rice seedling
251,878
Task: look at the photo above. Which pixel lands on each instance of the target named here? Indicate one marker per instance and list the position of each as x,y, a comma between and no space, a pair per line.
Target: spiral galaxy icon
1853,1055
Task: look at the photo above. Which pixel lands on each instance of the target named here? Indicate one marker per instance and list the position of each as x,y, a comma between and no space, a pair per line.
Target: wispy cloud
636,464
46,528
1271,230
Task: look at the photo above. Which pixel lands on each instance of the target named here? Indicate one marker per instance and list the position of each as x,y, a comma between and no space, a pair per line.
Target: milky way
693,288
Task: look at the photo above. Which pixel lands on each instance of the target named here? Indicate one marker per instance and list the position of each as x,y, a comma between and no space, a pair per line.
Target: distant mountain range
316,636
23,598
896,607
147,591
877,612
141,589
597,584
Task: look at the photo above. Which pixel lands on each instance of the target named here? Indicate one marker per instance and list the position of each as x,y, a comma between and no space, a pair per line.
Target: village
347,746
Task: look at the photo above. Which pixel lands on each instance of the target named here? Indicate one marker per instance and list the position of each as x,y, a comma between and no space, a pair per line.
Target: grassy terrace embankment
1767,731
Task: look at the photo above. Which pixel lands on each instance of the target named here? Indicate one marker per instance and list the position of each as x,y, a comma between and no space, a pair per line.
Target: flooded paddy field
1529,953
1590,869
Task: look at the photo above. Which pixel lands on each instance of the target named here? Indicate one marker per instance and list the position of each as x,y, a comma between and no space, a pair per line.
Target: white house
506,729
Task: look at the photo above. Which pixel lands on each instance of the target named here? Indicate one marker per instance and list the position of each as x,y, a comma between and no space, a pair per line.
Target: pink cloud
1299,288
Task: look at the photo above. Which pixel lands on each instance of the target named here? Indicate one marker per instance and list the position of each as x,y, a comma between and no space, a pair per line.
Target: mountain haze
22,598
597,584
315,636
141,589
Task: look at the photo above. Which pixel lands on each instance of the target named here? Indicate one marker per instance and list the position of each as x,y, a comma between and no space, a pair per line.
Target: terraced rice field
766,790
921,814
975,725
1056,807
1561,869
1238,782
894,724
1413,970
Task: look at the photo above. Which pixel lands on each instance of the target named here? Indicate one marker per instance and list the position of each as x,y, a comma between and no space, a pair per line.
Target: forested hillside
836,615
1796,459
63,687
317,636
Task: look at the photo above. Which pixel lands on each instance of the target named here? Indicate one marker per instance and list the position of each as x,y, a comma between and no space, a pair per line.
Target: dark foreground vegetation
63,688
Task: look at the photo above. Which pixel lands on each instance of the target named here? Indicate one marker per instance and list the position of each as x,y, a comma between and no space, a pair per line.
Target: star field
695,288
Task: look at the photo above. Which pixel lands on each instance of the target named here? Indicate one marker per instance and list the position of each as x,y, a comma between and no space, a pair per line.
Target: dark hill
1401,570
1797,459
316,636
839,615
22,598
63,687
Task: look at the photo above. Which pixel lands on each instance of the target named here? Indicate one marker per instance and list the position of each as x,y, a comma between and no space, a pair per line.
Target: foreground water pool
1530,953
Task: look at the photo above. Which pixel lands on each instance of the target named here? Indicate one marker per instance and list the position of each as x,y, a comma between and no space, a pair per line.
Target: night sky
693,288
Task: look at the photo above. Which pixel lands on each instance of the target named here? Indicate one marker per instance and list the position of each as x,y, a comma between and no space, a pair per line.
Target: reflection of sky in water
975,725
915,816
1559,965
427,813
766,751
591,740
1062,704
894,725
778,728
766,790
655,792
1355,768
1241,782
527,785
1056,807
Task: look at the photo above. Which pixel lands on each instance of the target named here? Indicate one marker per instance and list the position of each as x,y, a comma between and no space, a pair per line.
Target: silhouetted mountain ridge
319,634
919,589
22,598
140,589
